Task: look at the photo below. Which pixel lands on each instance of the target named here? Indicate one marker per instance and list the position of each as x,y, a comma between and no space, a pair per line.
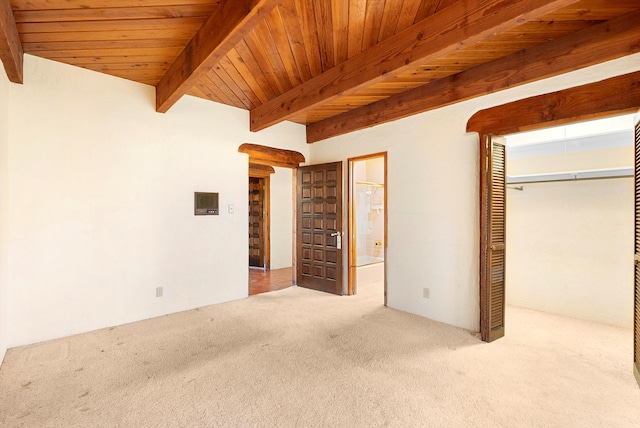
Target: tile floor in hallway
261,281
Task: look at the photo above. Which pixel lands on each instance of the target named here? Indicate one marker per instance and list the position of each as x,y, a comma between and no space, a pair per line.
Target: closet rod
595,174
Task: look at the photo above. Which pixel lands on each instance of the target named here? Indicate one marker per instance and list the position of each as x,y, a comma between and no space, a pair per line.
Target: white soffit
572,145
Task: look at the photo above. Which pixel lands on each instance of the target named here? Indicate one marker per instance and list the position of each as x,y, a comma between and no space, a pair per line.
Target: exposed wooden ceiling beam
599,43
11,52
229,24
609,97
270,156
462,24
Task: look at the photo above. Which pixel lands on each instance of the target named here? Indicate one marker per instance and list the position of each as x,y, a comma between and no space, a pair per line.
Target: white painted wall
101,202
433,235
4,213
599,159
570,249
281,218
433,210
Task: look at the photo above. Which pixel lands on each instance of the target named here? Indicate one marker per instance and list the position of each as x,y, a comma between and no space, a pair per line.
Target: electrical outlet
159,291
425,293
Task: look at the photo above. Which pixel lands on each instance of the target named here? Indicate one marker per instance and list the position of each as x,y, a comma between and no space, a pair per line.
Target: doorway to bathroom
367,222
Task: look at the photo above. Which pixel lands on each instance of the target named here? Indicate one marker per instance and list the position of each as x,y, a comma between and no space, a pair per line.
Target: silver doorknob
336,234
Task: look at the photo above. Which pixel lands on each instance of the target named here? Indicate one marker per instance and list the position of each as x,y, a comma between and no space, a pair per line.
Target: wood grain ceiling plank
390,17
212,92
138,59
243,81
340,17
324,25
281,39
289,16
179,35
231,21
147,76
357,13
602,42
262,61
444,4
245,62
132,66
426,9
254,78
196,92
261,39
237,87
462,24
115,13
407,14
372,20
116,53
113,25
11,52
308,26
97,4
609,97
212,80
101,44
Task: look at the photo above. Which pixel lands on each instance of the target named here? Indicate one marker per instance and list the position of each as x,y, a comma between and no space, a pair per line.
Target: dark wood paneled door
636,322
493,212
319,227
256,222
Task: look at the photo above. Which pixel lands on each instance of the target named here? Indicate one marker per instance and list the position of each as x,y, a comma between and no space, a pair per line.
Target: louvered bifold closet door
636,322
492,245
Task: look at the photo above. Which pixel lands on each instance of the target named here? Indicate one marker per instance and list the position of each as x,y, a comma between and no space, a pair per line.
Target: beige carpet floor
299,358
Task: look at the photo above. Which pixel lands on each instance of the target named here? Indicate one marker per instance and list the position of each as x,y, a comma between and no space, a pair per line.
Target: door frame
352,250
262,159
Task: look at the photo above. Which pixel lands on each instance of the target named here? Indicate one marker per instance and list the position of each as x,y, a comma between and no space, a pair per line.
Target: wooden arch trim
610,97
269,156
260,171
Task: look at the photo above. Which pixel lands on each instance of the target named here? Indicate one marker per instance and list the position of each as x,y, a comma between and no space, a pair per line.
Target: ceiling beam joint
229,24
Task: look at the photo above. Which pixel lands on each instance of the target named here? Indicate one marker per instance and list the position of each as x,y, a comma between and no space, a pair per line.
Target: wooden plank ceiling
321,63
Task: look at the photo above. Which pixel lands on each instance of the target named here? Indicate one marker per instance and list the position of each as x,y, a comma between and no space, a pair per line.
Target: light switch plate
230,208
